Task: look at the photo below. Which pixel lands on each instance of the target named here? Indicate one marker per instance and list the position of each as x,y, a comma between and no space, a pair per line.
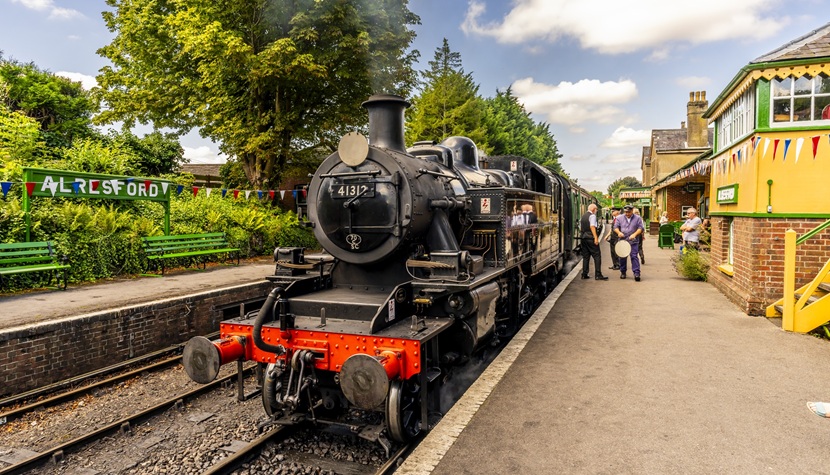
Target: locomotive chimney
386,121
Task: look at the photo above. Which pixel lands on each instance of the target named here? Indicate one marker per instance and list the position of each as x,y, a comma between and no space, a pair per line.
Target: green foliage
449,104
20,144
625,182
692,264
154,154
272,81
511,131
94,156
62,108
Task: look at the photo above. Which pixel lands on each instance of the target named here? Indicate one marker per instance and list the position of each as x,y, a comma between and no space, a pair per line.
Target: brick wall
36,355
676,200
758,260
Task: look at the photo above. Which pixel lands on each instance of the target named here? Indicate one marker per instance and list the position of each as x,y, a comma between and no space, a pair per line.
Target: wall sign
728,194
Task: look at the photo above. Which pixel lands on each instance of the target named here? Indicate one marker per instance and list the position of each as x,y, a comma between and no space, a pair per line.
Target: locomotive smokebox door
364,379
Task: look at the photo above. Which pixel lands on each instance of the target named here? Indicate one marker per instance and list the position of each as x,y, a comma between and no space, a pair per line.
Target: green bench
22,258
160,248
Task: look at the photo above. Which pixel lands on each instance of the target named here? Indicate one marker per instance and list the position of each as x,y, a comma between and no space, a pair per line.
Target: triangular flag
94,184
282,194
224,192
247,194
766,147
164,186
295,194
129,180
179,189
6,186
53,187
271,194
147,184
786,147
775,148
259,194
116,183
207,191
798,143
815,145
739,155
753,142
76,186
195,191
304,192
235,194
30,188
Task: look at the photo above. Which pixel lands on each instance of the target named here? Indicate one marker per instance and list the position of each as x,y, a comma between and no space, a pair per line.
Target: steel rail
235,460
395,460
124,424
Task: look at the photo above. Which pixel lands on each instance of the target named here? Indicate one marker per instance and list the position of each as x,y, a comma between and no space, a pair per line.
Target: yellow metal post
787,322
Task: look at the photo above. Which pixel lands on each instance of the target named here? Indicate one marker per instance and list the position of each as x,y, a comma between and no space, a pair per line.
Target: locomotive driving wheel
403,410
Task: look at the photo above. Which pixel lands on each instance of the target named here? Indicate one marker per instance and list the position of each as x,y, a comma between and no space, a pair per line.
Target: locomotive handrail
338,175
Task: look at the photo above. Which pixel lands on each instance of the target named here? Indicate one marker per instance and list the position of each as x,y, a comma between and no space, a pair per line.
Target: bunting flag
30,188
295,195
235,194
224,192
94,184
164,185
195,191
271,194
775,149
798,144
6,186
259,194
304,192
179,189
739,155
207,192
766,147
754,148
282,194
76,187
247,194
147,184
53,187
786,147
815,145
128,180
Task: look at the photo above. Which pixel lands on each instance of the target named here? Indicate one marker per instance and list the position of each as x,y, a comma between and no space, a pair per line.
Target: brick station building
770,167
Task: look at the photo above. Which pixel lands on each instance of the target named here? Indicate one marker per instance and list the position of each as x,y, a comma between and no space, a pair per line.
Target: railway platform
653,377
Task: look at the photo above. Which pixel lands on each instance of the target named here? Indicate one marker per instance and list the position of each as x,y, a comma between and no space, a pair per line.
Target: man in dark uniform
590,244
613,239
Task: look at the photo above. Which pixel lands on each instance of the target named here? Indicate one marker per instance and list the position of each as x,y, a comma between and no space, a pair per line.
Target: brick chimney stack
697,133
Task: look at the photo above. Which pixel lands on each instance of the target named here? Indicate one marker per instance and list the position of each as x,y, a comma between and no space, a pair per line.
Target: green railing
816,230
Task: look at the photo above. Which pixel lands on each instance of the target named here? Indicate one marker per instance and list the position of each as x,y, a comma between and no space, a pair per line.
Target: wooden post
787,322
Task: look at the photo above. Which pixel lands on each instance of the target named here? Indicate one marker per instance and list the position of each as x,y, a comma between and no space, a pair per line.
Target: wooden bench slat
18,260
158,245
33,253
182,237
193,246
195,253
158,248
27,245
23,269
24,257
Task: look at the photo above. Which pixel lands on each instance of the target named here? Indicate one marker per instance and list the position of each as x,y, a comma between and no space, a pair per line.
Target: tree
511,131
155,153
625,182
449,104
62,108
269,80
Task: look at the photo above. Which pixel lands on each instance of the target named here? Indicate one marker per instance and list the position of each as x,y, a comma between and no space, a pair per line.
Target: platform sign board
728,194
41,182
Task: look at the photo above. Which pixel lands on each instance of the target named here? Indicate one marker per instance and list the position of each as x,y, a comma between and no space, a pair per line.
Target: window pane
803,86
801,108
822,84
822,110
781,110
781,87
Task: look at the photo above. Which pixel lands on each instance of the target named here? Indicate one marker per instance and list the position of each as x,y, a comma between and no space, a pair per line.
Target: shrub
692,264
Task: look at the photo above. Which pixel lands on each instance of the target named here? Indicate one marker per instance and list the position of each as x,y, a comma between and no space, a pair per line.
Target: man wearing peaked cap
629,226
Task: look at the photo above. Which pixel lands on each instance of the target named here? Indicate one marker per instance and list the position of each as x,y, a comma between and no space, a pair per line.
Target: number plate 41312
353,189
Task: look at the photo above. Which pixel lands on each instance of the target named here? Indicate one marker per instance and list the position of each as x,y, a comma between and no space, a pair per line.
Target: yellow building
770,169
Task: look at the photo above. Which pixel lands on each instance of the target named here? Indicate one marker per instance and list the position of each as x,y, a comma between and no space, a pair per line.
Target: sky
602,73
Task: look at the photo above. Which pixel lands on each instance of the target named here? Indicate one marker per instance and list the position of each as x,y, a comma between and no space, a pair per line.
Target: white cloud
87,82
624,27
48,6
693,82
587,100
625,137
203,154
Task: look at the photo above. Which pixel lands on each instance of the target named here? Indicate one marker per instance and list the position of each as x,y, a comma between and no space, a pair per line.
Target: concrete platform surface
661,376
45,305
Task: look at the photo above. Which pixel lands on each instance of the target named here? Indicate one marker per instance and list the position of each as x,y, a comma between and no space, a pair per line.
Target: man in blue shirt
629,226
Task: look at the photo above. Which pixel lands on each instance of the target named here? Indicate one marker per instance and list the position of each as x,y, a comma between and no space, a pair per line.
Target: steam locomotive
431,253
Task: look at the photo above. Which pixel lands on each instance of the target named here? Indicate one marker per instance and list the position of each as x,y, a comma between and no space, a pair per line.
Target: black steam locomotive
432,252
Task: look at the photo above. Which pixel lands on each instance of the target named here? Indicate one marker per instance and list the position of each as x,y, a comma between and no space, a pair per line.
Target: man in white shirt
691,229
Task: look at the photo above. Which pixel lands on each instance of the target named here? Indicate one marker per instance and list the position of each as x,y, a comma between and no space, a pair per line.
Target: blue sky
602,73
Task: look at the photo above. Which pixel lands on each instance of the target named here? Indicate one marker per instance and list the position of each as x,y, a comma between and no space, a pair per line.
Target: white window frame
738,120
792,96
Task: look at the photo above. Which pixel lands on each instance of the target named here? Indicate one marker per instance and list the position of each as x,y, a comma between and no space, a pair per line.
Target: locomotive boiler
430,253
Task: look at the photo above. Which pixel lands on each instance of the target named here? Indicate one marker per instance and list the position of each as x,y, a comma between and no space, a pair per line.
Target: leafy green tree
156,153
21,143
624,182
62,108
511,131
269,80
449,103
